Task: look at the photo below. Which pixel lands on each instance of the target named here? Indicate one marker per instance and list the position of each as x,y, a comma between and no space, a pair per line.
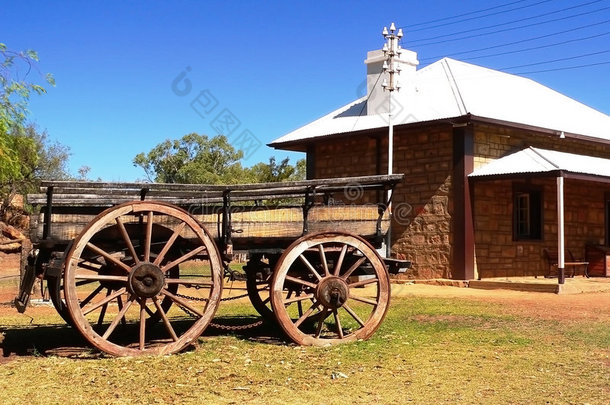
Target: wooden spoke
353,314
363,282
127,240
149,311
181,302
166,321
183,258
266,300
338,323
313,307
143,309
117,318
92,295
169,244
310,267
353,268
302,282
104,301
84,282
119,303
95,268
108,256
298,298
100,319
325,313
323,260
148,237
365,300
340,261
100,277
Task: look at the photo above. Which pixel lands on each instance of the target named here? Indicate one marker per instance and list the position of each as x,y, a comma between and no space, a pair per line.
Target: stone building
497,167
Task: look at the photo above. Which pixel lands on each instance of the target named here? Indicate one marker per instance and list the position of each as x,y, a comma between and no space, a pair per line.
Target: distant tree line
199,159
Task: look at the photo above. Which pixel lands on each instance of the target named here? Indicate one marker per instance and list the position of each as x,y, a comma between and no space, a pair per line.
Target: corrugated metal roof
449,88
534,160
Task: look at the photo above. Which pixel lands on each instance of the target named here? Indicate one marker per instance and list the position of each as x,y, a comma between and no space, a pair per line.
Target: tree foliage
36,158
198,159
273,172
15,89
192,159
25,153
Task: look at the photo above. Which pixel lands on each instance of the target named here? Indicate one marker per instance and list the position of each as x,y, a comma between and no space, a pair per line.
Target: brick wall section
497,254
421,204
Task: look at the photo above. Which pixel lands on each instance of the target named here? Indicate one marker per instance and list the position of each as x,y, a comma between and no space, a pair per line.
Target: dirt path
590,306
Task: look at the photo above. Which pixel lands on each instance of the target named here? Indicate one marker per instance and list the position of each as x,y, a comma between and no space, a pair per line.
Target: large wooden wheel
257,284
137,264
330,288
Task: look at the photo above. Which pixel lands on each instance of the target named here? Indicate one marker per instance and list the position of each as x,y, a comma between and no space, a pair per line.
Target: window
527,214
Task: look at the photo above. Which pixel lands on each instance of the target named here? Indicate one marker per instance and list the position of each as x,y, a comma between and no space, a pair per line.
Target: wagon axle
146,280
332,292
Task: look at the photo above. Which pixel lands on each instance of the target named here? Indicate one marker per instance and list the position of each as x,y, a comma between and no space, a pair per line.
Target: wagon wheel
128,266
258,281
330,307
257,285
56,293
55,286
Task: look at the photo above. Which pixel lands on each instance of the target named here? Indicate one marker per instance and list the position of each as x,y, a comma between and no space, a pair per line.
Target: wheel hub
332,292
146,280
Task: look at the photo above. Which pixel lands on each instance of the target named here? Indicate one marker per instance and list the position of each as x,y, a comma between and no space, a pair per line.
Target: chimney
406,62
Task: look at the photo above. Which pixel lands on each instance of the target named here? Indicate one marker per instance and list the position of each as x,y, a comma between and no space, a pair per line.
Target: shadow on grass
65,341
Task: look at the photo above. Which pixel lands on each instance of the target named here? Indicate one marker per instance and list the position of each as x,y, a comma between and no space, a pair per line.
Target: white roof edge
533,160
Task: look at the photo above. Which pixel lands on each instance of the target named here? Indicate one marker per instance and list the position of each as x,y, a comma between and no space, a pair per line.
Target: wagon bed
264,214
147,256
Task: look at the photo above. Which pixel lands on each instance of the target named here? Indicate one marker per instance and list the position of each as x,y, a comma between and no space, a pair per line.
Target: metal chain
217,325
238,327
234,298
188,297
192,298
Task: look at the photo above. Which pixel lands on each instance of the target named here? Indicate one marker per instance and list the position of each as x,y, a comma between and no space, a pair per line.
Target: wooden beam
463,223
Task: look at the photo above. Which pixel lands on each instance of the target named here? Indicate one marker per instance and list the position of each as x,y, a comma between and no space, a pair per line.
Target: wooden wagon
138,268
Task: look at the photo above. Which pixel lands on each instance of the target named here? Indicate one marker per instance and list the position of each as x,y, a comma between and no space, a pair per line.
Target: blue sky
273,66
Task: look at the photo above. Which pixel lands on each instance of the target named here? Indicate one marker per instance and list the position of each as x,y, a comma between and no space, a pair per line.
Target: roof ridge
454,86
535,150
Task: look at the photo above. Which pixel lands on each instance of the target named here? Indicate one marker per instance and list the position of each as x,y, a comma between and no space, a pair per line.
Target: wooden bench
552,261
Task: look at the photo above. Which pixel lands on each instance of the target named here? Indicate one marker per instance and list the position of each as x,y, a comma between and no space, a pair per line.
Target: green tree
37,158
195,159
20,145
15,89
274,172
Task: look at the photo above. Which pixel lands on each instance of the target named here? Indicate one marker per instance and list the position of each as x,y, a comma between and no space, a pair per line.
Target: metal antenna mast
391,50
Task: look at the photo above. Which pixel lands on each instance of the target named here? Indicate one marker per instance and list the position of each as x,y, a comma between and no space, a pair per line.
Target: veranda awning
535,162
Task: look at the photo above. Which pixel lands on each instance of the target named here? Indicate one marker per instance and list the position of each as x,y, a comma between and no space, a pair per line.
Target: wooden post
560,233
463,225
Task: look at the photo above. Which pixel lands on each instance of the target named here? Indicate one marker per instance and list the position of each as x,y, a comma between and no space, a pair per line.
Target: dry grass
428,350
